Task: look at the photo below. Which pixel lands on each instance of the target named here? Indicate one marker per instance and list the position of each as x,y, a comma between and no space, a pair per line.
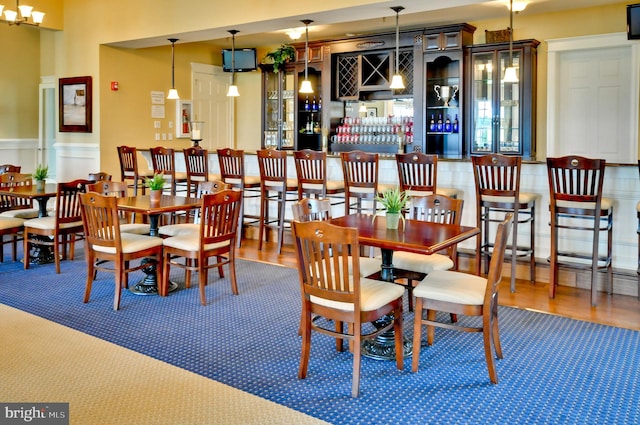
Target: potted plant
40,175
283,54
394,201
155,185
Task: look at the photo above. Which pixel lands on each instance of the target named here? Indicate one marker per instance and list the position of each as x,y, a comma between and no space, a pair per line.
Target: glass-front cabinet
278,108
500,115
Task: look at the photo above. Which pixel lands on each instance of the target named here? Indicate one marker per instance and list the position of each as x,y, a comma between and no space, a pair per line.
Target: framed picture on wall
74,102
184,111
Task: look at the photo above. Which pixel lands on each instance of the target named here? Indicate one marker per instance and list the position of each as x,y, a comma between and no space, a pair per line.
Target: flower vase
40,185
155,196
392,220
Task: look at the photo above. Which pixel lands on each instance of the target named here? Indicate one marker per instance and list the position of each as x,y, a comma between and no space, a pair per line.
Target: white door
47,125
211,105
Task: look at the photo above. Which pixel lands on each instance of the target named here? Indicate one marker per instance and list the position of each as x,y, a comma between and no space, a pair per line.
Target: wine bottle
314,106
432,123
447,124
439,124
306,104
456,125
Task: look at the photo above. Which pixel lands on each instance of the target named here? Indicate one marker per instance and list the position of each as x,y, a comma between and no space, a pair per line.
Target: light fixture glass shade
362,109
294,33
305,87
233,91
25,10
37,17
510,75
396,82
173,94
10,15
518,6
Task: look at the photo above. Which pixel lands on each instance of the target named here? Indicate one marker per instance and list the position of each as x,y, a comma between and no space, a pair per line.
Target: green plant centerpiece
155,185
283,54
394,201
40,175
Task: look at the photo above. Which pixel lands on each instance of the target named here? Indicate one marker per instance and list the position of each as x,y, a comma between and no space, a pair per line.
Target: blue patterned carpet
555,370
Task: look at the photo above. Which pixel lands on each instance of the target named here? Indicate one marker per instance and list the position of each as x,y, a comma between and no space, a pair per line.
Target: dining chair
463,294
204,188
311,171
133,167
497,183
12,227
414,267
418,175
360,171
9,168
577,204
196,160
275,187
216,238
332,297
11,206
232,172
119,190
99,176
62,229
164,162
106,243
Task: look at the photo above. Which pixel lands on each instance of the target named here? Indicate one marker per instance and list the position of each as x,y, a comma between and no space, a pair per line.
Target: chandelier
22,15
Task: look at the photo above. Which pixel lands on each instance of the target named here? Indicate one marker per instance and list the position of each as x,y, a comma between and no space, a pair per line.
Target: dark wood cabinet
501,116
450,37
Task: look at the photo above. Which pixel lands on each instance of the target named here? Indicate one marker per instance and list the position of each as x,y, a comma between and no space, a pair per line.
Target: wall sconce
305,87
173,93
396,80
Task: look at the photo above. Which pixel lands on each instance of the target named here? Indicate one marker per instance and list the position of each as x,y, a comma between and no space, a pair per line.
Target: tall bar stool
196,161
233,173
497,181
132,169
418,175
360,171
576,203
311,171
274,187
164,161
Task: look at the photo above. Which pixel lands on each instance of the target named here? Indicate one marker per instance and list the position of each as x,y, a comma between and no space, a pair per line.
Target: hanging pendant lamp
173,93
510,72
305,87
233,88
396,80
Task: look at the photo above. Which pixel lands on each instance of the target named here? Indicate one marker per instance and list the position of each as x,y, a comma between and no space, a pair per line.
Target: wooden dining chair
119,190
216,238
99,176
134,168
577,204
106,243
11,206
323,252
11,227
65,228
463,294
418,175
9,168
275,187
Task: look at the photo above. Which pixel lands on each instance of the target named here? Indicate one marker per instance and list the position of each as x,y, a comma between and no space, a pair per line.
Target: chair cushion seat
252,181
333,186
10,223
179,229
181,175
21,213
605,205
191,242
49,223
453,287
131,243
292,184
446,191
421,263
373,295
525,198
136,228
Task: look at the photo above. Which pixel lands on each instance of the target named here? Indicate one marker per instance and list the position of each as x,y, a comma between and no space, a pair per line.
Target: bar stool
497,182
196,161
274,187
311,171
131,168
360,181
164,161
232,172
575,186
418,174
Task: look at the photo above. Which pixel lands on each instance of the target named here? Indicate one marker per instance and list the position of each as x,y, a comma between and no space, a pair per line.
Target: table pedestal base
149,285
383,346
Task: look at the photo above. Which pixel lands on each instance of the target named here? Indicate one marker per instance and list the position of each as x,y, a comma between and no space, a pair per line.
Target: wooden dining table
142,204
416,236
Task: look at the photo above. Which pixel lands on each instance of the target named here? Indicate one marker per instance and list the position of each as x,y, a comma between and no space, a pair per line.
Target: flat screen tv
633,21
245,60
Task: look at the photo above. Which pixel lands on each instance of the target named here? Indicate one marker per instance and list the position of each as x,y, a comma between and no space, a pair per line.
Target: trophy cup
444,93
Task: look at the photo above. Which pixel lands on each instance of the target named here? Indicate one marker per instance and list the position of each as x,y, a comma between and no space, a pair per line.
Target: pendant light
173,93
233,89
305,87
510,74
396,80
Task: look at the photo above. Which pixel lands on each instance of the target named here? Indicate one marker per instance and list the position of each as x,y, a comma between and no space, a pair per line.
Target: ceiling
372,19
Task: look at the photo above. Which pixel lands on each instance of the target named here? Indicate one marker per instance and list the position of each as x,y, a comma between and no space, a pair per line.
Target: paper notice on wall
157,111
157,98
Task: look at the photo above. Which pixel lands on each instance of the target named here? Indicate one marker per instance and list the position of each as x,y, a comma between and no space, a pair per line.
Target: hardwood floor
616,310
